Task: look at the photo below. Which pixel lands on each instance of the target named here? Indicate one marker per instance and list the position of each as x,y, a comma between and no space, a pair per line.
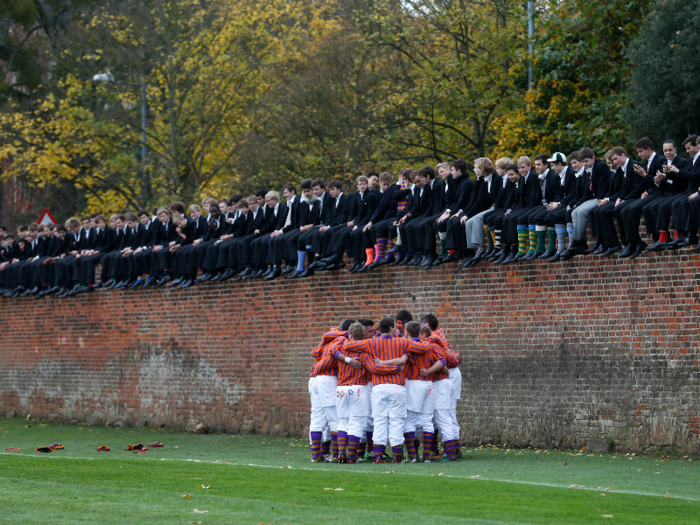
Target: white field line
517,482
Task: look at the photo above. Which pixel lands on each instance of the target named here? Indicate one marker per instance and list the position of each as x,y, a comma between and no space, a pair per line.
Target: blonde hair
272,195
163,210
442,165
195,207
504,162
524,160
484,164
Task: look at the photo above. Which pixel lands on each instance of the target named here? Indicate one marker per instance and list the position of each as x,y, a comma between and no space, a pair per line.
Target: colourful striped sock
449,447
497,238
380,247
435,446
522,239
427,444
570,231
458,445
561,237
410,443
389,244
552,234
416,444
378,450
316,444
334,440
397,452
489,238
370,442
342,441
532,229
353,445
361,447
326,448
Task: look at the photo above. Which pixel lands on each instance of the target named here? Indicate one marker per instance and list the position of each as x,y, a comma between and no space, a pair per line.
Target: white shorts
419,396
456,378
322,390
442,392
352,401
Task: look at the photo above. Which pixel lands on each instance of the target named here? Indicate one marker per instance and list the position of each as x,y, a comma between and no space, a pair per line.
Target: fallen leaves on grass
329,488
288,466
197,511
474,477
388,472
608,488
440,474
203,486
195,522
13,449
186,496
667,495
606,516
576,486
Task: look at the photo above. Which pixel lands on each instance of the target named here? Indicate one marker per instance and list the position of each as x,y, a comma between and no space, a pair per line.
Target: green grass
250,483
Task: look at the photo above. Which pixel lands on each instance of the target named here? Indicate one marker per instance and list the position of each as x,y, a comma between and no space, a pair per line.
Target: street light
109,78
530,35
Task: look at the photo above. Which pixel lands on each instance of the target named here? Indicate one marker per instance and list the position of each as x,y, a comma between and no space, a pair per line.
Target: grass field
265,479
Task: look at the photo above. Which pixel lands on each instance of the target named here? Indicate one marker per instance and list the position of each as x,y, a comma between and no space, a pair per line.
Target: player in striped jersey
367,439
388,391
452,361
352,394
322,385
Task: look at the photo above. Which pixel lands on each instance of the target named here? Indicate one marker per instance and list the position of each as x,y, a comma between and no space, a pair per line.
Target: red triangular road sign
46,218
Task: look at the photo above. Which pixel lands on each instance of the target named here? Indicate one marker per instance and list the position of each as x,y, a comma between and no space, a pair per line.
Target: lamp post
530,35
109,78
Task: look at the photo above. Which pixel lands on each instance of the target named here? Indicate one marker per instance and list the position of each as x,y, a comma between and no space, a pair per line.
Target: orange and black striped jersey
386,348
426,360
452,359
326,364
347,375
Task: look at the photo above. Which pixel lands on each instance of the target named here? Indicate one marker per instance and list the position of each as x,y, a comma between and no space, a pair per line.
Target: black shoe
451,257
362,268
230,272
406,261
290,268
596,248
111,284
626,252
165,279
397,260
150,282
501,258
336,266
696,249
508,260
97,285
554,258
688,241
478,257
547,255
497,254
274,274
294,275
133,283
53,290
465,263
641,247
306,273
395,248
176,282
185,284
375,263
61,290
74,289
206,276
612,251
566,255
577,249
123,284
258,274
528,256
267,272
417,259
31,291
217,276
658,246
331,260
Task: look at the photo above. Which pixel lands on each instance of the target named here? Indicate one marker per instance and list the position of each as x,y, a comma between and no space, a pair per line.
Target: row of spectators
511,211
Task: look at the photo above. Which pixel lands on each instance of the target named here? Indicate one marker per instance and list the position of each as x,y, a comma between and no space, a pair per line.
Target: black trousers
652,214
456,235
680,208
632,215
429,230
510,224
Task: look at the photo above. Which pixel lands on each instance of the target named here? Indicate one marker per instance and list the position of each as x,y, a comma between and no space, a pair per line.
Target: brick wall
553,355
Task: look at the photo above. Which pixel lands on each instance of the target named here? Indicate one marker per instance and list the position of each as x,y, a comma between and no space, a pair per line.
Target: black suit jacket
107,240
437,197
153,233
568,190
481,198
529,191
309,214
336,215
386,209
656,165
628,185
327,211
296,206
366,204
552,188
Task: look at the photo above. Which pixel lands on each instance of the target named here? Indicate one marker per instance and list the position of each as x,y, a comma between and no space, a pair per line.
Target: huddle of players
511,213
369,389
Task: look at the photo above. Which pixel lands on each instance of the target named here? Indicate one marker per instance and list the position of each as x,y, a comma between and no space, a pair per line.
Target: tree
664,92
580,79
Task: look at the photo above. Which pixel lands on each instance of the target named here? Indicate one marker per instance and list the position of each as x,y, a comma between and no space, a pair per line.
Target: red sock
452,252
663,236
676,235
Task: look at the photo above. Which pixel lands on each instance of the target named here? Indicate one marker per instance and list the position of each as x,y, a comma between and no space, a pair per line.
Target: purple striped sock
409,438
316,438
397,452
353,444
378,450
